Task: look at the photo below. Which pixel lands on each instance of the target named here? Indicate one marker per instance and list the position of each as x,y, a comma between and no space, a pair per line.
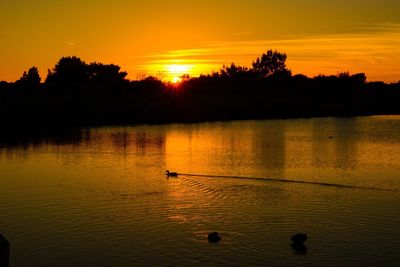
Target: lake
99,197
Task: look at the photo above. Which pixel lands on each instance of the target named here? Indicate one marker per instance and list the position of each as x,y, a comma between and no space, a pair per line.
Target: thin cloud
241,33
179,53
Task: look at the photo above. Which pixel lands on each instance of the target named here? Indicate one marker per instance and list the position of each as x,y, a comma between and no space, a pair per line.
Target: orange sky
172,37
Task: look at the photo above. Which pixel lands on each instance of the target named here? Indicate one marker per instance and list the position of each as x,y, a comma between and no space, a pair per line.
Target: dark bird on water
298,243
299,248
171,174
214,237
299,238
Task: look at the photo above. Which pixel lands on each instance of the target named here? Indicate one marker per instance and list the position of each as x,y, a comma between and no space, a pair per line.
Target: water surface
99,197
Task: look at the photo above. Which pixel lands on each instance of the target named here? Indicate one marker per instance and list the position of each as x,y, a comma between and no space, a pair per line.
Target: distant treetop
29,79
72,70
272,62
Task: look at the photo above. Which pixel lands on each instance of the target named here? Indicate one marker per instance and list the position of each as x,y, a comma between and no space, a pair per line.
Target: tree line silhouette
76,93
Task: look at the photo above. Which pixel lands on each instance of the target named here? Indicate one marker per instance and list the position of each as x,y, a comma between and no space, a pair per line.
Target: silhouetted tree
359,78
272,62
233,71
69,70
150,82
30,79
105,73
100,94
185,77
300,78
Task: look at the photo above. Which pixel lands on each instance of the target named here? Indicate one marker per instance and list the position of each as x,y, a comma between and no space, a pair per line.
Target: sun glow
176,80
176,71
178,68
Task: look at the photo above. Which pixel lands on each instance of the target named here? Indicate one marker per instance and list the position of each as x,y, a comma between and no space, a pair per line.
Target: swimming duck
299,238
298,243
214,237
171,174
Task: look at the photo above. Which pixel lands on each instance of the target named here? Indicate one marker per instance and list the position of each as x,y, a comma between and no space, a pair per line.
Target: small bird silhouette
214,237
171,174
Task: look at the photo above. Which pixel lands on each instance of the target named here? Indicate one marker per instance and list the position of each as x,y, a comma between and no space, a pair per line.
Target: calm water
99,197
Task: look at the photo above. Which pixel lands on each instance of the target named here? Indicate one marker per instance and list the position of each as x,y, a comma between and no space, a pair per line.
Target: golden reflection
178,193
222,148
269,144
346,145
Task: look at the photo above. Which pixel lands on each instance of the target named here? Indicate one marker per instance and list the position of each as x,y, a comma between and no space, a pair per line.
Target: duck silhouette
299,248
171,174
214,237
298,243
299,238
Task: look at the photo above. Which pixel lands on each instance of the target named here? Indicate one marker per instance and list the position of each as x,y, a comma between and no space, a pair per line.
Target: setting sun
176,80
175,71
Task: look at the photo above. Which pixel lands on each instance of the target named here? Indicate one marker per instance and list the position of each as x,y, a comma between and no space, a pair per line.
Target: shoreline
48,126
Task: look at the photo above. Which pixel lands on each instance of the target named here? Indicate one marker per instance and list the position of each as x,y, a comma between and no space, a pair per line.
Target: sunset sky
172,37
